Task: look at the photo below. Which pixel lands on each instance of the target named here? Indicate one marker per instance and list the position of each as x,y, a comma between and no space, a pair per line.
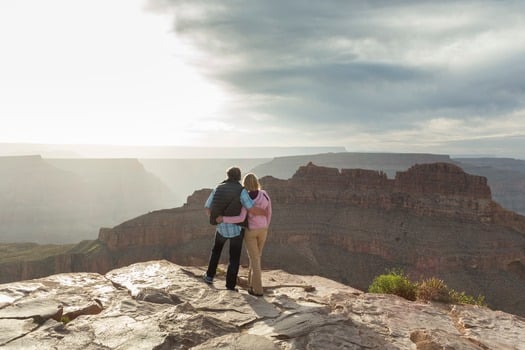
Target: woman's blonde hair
251,182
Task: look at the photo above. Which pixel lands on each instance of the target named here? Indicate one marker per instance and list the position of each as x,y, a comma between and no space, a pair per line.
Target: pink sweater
254,221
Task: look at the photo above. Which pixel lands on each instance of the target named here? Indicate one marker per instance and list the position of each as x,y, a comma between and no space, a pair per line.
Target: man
227,199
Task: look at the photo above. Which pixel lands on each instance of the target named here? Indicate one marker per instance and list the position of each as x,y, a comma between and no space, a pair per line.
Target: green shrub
462,298
431,289
394,282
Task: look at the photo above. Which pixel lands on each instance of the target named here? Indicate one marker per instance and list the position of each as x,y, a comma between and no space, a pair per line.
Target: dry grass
12,252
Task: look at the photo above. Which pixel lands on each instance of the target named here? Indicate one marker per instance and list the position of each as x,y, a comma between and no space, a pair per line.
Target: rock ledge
160,305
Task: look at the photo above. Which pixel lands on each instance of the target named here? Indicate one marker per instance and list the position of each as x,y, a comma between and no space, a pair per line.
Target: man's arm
248,203
207,205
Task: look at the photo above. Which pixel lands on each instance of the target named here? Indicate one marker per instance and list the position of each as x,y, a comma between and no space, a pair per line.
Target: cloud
362,67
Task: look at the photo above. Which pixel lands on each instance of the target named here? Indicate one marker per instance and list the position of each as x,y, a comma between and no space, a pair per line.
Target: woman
255,235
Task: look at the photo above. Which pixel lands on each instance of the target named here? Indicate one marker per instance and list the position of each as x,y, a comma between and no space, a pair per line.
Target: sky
371,76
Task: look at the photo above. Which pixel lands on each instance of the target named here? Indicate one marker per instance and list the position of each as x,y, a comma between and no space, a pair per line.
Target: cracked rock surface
160,305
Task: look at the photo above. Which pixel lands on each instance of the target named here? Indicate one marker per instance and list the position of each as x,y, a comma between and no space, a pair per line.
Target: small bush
433,289
462,298
394,282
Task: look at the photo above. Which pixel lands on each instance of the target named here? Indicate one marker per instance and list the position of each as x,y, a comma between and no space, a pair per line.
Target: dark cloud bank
365,66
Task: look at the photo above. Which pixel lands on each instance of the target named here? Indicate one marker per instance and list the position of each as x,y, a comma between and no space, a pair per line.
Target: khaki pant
254,240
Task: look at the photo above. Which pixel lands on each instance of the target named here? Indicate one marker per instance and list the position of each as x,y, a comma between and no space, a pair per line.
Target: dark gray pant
235,258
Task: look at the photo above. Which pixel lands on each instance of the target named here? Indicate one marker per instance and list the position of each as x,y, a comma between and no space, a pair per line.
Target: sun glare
98,72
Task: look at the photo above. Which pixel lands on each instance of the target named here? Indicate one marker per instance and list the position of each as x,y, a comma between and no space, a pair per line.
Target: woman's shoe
251,292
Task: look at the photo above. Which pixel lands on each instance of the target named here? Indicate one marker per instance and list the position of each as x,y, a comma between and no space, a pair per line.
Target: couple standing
239,212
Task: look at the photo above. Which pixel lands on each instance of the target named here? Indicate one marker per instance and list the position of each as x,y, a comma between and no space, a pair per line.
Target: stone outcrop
160,305
426,189
434,220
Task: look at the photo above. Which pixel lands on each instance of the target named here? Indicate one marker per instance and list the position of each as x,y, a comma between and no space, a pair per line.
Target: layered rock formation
506,177
159,305
348,225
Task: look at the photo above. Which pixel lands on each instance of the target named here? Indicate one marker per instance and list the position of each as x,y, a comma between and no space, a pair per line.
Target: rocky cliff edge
160,305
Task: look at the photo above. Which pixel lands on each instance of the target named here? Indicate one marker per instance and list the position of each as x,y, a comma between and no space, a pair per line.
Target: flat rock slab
164,282
238,342
14,329
39,309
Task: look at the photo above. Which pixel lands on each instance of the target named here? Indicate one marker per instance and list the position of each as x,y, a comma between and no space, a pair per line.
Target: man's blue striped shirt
231,230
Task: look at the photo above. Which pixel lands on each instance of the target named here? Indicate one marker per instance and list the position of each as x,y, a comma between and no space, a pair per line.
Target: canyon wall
349,225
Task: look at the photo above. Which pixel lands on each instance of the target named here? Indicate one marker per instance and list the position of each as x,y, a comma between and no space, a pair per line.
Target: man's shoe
233,289
207,279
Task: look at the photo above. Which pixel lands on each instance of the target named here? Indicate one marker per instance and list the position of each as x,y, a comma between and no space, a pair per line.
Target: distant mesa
389,163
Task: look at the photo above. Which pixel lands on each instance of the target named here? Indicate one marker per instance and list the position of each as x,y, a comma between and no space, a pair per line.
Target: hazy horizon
401,77
71,151
159,152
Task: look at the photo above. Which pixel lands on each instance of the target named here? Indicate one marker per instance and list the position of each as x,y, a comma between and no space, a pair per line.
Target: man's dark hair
234,173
